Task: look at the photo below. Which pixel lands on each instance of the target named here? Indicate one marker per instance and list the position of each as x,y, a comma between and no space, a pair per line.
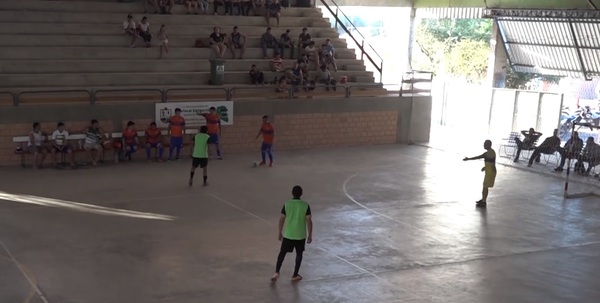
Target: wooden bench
23,148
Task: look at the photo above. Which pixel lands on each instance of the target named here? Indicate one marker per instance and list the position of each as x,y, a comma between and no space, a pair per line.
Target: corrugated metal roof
556,46
450,13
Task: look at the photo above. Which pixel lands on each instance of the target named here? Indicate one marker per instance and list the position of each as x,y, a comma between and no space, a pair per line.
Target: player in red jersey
130,140
268,133
176,131
153,140
213,123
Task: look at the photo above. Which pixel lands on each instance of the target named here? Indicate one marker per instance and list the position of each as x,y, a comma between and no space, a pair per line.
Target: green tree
468,59
518,80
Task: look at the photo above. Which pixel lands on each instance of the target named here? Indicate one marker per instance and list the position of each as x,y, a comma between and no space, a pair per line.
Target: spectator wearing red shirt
130,140
268,133
213,123
153,140
176,131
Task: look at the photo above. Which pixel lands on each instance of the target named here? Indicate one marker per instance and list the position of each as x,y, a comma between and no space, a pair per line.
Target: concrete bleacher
80,44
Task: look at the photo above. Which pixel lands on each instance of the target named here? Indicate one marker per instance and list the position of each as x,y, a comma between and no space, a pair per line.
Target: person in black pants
256,76
218,3
549,146
571,150
528,143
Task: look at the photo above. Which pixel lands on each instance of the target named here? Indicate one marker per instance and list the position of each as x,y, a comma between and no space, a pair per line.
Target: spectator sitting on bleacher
273,11
165,6
192,7
153,140
286,41
203,5
304,39
312,52
229,7
256,4
93,141
324,77
130,29
304,63
571,149
237,40
144,31
154,4
256,76
130,140
295,75
217,42
60,144
36,145
216,4
590,154
244,7
277,63
528,143
549,146
282,86
267,40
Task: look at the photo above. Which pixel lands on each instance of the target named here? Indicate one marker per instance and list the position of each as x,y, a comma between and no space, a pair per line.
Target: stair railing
366,50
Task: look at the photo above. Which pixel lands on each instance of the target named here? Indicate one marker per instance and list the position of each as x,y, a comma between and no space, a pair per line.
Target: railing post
15,99
291,92
362,49
336,18
229,94
92,97
381,72
347,92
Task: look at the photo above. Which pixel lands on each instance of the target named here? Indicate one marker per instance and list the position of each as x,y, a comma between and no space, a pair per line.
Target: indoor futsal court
392,223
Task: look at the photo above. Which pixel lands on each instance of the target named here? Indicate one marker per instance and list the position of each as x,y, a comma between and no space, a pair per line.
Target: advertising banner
190,110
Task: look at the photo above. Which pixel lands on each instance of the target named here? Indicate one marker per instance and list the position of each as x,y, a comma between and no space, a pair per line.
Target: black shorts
288,245
202,162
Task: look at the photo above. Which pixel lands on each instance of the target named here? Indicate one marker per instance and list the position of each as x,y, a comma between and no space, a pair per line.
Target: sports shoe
274,277
559,169
270,164
205,184
219,158
191,182
296,278
262,163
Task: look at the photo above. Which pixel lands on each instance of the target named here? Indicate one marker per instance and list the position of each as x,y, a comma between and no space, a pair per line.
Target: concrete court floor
393,223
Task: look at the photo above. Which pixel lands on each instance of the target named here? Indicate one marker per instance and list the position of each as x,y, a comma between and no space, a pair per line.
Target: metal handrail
14,97
21,93
227,93
116,90
361,46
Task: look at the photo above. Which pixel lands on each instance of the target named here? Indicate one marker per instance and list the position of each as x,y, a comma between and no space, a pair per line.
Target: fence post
15,99
291,92
362,49
336,18
93,97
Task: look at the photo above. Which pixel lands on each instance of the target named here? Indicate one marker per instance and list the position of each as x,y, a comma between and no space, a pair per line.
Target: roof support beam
542,13
550,45
576,43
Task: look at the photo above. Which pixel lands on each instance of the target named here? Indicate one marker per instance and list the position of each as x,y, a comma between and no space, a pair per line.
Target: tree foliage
459,47
518,80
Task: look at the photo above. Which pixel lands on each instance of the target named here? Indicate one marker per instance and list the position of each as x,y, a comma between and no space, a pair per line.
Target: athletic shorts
153,145
202,162
131,147
214,139
64,150
266,147
177,142
92,146
489,179
288,245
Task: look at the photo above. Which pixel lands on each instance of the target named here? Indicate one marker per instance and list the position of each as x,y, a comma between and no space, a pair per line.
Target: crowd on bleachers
308,55
573,149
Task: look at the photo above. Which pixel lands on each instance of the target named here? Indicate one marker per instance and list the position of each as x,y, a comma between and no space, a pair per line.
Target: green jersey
201,145
295,212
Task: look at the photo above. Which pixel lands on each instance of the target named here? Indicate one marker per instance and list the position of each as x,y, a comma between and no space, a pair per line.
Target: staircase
52,45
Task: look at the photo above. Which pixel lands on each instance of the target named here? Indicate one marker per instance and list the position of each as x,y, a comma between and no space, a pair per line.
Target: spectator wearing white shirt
129,28
60,144
144,31
324,77
163,40
36,145
312,53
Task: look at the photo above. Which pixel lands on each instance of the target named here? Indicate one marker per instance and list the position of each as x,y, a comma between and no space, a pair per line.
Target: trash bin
217,72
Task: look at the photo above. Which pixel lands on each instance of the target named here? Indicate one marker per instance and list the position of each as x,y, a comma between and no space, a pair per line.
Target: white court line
76,206
364,271
18,265
345,189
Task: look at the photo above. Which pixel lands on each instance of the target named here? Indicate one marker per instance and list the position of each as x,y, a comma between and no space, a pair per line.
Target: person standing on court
200,155
268,133
213,123
176,132
489,160
295,230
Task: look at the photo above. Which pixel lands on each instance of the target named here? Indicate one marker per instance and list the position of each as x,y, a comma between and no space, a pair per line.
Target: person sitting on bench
572,149
590,154
528,142
549,146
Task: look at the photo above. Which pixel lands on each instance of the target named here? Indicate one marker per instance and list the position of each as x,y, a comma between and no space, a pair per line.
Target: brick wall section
293,131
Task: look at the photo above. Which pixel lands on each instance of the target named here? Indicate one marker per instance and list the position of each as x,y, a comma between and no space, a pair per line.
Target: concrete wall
299,124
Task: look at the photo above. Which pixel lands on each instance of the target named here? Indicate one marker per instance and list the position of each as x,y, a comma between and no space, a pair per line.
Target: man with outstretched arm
489,160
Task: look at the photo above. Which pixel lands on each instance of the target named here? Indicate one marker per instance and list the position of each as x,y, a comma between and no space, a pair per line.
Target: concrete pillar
498,59
411,39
